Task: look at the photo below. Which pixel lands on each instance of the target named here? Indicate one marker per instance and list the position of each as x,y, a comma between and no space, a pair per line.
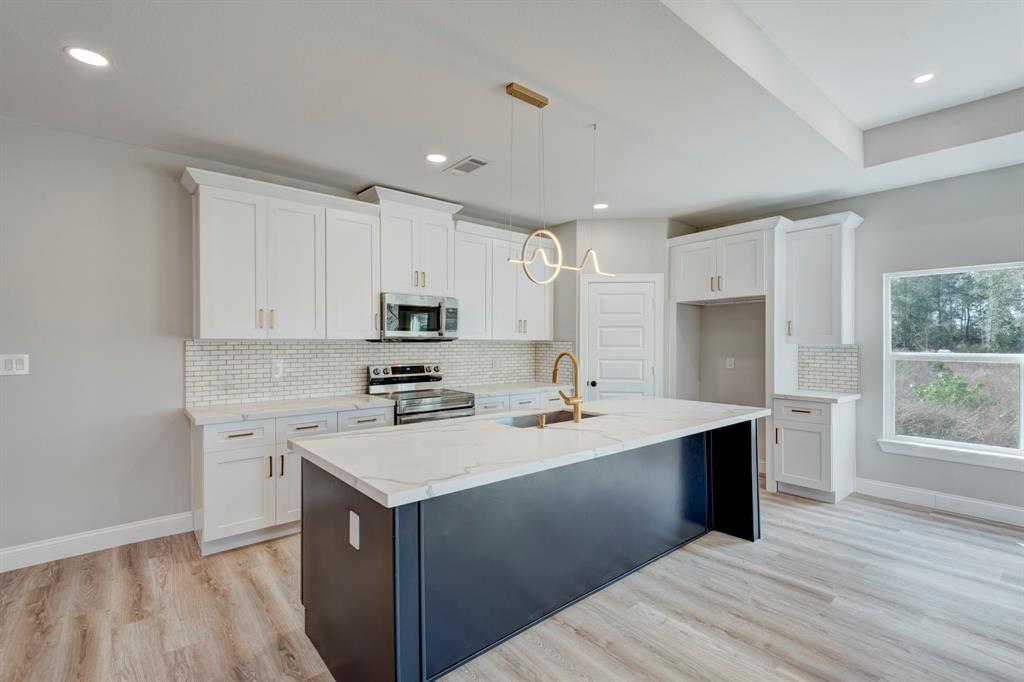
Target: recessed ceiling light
86,56
600,206
436,158
924,78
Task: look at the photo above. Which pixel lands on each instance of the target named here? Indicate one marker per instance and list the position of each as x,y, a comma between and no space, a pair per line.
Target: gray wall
970,220
96,284
735,331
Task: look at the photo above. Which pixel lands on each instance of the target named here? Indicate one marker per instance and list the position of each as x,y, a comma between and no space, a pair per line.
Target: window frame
967,453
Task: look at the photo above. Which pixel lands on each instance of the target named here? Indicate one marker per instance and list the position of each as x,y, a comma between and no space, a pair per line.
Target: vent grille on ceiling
465,166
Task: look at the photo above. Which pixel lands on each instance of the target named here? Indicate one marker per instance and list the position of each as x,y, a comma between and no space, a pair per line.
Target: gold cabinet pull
307,427
415,278
273,318
242,435
712,282
270,466
719,282
424,278
262,318
282,465
376,321
368,420
789,327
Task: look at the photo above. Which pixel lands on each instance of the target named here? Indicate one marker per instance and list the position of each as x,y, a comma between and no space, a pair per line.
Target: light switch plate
14,364
730,363
353,529
277,369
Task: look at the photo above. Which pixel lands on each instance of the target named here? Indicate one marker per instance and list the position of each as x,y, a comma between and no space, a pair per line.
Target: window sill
945,453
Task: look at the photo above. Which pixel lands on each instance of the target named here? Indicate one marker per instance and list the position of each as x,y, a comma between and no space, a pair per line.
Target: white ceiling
355,93
864,54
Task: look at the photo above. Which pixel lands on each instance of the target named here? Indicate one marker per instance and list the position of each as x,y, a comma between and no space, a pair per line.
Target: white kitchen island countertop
239,412
403,464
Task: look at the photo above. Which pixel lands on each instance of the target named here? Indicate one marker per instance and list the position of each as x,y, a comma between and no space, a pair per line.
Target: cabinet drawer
522,401
495,403
366,419
238,435
306,425
550,399
791,410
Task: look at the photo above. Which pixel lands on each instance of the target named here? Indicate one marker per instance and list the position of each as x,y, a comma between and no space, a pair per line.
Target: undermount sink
531,421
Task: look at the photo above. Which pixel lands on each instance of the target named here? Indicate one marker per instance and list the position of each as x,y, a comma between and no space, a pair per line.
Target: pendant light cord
511,148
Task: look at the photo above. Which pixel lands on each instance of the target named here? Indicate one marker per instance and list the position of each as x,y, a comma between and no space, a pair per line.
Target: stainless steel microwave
411,317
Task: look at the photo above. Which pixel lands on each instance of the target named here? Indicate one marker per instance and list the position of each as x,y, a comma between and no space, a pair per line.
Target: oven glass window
411,318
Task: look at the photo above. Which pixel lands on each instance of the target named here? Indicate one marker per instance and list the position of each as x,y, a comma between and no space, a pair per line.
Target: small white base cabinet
246,481
815,448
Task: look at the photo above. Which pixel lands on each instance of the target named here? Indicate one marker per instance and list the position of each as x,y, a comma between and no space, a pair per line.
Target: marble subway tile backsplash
225,372
829,368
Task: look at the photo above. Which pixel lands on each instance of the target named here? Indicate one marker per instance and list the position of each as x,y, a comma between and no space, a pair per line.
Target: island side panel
348,593
498,558
735,500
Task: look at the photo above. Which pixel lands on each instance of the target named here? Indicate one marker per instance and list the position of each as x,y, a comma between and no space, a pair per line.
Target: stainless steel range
417,395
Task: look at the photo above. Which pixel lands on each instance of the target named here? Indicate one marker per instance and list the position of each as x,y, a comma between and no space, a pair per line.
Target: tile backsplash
829,368
224,372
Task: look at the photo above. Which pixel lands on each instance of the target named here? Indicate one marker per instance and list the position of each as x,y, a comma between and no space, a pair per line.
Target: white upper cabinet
473,263
504,312
231,264
417,242
496,299
726,267
740,266
819,280
353,275
261,264
295,270
694,267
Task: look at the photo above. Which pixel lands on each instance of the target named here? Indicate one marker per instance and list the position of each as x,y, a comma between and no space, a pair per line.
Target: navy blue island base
437,582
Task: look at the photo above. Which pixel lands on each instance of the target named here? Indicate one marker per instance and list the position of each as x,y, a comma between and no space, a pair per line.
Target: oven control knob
436,368
387,371
376,372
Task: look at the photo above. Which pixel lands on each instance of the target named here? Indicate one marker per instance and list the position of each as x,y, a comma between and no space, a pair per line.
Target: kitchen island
424,546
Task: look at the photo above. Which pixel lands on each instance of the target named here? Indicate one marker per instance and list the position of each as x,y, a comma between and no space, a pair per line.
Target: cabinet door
288,485
239,492
396,253
473,285
534,301
353,275
740,265
803,454
813,260
295,270
505,322
694,267
232,264
433,242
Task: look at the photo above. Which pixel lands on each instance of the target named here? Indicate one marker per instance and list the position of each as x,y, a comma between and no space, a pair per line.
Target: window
954,363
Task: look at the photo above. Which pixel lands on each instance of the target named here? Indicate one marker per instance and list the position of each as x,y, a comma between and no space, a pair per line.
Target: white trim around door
658,310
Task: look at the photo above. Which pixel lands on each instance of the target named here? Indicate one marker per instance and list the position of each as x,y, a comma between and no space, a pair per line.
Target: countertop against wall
240,412
819,396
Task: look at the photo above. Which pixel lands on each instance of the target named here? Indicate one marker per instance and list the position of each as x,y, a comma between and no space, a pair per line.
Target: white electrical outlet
14,364
277,369
730,363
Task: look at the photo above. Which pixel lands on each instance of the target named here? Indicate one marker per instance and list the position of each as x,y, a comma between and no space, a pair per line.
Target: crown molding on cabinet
502,233
380,195
192,178
846,220
762,225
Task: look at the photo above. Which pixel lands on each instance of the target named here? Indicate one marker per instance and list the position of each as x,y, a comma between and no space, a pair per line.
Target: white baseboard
966,506
65,546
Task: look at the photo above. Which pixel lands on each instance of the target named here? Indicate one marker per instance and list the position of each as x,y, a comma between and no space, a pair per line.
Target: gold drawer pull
242,435
307,427
368,420
525,402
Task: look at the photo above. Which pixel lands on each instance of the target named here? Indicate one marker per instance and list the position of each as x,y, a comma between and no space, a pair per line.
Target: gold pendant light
540,101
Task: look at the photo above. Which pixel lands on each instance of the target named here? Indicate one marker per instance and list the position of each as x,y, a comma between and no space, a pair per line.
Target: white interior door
621,343
353,275
295,270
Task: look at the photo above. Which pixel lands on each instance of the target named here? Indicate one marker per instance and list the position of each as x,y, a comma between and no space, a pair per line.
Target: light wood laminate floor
863,590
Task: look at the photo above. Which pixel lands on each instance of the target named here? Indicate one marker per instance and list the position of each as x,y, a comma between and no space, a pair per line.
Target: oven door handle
435,416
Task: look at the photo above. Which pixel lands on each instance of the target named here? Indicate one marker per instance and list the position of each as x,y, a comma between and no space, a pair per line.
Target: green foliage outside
952,390
964,312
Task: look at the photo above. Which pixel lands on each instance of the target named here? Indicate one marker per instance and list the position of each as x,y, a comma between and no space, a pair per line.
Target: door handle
593,384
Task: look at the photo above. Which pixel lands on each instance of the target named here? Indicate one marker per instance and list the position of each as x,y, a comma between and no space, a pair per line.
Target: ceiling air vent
465,166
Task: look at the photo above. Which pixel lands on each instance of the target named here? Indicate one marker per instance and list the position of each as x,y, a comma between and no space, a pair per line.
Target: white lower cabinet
815,452
247,482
